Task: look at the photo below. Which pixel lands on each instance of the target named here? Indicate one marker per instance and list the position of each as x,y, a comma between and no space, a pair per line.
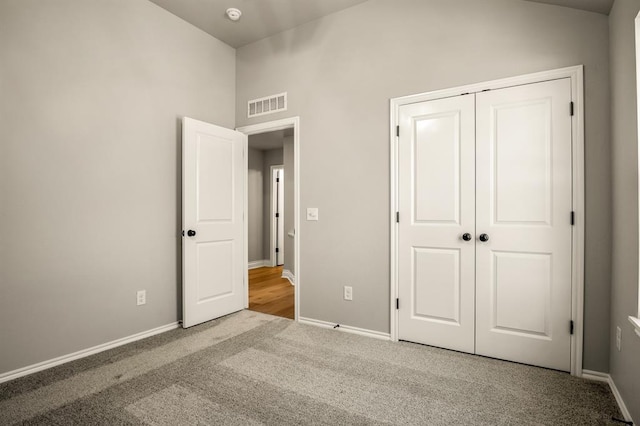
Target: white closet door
523,275
436,206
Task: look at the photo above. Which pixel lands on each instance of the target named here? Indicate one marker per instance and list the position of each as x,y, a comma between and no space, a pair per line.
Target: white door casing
523,199
212,216
436,183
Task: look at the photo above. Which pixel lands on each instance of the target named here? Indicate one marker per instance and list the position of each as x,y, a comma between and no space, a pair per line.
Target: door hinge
573,218
571,108
397,303
277,250
277,180
398,131
397,217
277,214
571,327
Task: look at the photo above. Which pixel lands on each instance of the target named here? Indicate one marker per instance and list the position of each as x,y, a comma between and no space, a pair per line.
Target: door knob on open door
484,238
466,236
191,233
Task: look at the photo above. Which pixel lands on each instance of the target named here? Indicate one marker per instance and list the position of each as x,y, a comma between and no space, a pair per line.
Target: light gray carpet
249,368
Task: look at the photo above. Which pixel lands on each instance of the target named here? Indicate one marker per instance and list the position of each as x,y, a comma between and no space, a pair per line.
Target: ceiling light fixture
234,14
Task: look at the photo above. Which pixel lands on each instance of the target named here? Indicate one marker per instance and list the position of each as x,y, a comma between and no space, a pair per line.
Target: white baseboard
25,371
604,377
595,375
346,328
259,263
289,275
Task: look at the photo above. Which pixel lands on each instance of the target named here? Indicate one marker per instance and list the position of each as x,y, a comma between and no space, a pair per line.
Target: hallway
269,293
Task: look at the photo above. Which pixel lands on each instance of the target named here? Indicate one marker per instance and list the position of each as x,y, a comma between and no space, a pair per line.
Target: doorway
488,226
272,197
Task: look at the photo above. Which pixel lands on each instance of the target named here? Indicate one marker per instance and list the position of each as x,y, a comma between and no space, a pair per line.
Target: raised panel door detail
524,204
522,158
436,176
215,270
522,293
436,201
214,178
213,262
436,284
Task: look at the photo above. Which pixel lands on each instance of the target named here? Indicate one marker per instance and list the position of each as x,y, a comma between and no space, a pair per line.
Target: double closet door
484,240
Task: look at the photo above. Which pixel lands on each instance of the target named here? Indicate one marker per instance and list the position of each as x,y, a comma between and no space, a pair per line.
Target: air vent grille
267,105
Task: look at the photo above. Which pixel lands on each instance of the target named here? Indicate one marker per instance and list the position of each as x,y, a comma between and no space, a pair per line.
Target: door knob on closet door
484,238
191,233
466,236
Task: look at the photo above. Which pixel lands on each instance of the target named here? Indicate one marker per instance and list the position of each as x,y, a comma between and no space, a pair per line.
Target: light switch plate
312,213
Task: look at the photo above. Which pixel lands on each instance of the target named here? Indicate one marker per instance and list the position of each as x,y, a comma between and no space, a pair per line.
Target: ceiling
260,18
598,6
264,18
269,140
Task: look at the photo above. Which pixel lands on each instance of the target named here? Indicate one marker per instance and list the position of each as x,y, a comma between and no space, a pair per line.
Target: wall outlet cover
348,292
141,297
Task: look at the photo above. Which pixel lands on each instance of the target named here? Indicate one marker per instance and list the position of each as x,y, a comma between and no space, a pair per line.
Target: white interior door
524,181
280,217
436,209
212,218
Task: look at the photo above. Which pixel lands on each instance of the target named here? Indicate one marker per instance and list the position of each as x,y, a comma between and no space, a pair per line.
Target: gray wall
92,93
624,301
255,187
289,206
272,157
341,71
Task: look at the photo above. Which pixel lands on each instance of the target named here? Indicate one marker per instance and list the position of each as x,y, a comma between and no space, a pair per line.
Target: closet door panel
523,206
436,205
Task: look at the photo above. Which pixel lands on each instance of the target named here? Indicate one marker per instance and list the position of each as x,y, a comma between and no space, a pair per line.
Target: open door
213,270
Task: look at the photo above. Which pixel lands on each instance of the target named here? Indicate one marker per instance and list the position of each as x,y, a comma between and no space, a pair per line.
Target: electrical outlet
618,338
348,292
141,297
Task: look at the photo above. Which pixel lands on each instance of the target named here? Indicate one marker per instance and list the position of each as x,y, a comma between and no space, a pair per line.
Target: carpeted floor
250,368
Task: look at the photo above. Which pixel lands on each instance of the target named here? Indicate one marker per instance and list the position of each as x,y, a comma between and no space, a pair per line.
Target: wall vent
267,105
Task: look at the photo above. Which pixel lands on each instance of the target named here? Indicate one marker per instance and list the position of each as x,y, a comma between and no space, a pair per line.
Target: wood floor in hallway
269,293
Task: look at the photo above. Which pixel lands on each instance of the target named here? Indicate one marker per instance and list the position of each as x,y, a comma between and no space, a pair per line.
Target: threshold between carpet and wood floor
252,368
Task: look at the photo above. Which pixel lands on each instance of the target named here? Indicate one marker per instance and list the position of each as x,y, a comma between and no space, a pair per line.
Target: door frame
270,126
576,76
272,222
